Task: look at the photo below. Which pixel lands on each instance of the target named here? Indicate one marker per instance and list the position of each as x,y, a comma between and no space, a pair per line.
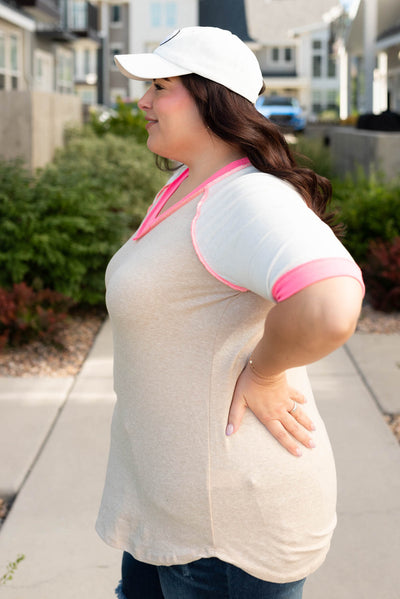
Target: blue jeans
208,578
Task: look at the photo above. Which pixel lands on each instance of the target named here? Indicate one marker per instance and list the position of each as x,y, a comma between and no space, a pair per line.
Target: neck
206,163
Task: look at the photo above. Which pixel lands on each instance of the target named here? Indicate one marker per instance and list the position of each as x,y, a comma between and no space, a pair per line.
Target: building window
79,15
116,49
316,101
10,59
116,13
331,67
14,61
275,54
88,96
43,71
64,73
171,14
317,66
155,14
317,45
288,55
332,100
86,62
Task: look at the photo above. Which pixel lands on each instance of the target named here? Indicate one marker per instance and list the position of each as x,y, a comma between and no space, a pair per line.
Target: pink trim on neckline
153,217
200,255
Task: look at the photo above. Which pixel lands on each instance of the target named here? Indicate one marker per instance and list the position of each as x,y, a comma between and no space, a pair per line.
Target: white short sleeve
256,233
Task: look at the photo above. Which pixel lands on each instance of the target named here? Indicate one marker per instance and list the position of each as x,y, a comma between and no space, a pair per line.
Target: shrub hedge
60,228
369,208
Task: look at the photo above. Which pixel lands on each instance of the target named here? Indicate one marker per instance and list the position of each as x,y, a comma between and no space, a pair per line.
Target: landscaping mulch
44,359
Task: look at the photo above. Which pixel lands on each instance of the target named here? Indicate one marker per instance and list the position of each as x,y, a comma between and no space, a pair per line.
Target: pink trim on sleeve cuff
318,270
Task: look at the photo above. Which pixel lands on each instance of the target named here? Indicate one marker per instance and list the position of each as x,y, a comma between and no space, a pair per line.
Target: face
176,130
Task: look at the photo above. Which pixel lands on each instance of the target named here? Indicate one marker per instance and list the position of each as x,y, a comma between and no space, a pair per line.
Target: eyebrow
162,79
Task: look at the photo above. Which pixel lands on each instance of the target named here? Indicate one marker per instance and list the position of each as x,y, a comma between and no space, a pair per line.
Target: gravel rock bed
43,359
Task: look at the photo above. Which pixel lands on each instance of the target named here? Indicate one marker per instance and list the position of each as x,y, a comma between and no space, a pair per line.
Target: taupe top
177,488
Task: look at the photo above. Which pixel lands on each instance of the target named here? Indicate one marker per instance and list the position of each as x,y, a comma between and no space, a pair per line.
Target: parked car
284,111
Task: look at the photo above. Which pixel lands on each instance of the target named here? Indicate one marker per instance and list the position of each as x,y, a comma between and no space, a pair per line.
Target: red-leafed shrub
382,274
26,314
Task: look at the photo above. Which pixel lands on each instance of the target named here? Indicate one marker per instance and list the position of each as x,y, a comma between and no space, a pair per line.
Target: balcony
84,21
45,11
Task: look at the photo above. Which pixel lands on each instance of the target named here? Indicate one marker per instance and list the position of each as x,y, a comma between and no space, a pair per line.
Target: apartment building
371,57
16,29
295,50
37,90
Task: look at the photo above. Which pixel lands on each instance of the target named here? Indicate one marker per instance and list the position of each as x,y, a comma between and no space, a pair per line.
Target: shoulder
253,196
253,189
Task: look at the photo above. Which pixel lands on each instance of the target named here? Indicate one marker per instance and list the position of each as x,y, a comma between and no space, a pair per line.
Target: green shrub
16,218
125,120
370,210
59,229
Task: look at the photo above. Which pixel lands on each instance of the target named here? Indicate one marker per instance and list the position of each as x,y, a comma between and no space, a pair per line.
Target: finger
278,431
298,431
236,412
301,417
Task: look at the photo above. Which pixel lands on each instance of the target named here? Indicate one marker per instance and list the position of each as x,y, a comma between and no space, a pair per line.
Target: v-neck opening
153,217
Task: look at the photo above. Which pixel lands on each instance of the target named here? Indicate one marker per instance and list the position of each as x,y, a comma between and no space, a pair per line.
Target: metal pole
370,32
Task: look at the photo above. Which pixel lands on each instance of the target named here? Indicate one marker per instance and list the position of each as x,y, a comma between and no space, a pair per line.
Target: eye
157,86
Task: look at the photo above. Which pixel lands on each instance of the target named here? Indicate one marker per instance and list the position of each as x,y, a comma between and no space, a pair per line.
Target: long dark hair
236,120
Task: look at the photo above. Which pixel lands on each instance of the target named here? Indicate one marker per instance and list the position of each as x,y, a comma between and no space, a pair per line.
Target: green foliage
16,219
11,569
370,210
59,229
126,121
312,153
27,314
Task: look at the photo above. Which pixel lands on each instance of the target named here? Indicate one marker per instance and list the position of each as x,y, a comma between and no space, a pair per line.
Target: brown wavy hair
236,120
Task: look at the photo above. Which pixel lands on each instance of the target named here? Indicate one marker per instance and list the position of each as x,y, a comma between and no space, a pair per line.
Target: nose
145,101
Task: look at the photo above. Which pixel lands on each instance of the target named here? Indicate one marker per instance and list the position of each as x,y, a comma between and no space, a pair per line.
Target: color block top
187,298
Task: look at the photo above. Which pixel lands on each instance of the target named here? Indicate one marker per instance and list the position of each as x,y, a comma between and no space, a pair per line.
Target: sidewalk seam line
46,437
363,378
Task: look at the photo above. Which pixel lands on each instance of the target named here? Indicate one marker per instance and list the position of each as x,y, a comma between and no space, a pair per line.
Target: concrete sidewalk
54,436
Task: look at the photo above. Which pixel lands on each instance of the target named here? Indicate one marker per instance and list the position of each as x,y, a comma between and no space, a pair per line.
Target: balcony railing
46,11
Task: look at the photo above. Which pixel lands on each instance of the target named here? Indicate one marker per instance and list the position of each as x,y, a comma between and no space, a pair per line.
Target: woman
221,482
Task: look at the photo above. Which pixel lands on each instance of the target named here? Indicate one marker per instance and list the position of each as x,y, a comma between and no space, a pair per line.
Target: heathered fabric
177,488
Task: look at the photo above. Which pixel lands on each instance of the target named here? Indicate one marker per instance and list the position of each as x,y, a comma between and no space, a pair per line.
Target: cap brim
145,67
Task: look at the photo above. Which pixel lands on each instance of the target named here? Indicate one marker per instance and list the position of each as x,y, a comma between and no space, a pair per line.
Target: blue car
284,111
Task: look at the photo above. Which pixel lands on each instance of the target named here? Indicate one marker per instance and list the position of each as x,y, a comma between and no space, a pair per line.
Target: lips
150,123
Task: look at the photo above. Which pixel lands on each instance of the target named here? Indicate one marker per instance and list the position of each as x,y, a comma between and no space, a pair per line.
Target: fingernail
311,444
313,427
229,430
299,453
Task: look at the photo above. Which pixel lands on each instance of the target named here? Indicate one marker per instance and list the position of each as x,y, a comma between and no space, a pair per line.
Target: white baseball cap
211,52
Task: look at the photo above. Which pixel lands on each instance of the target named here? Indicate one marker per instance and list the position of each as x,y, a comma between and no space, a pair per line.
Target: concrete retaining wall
374,151
32,124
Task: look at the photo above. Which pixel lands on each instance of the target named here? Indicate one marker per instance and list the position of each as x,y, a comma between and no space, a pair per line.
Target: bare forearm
308,326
